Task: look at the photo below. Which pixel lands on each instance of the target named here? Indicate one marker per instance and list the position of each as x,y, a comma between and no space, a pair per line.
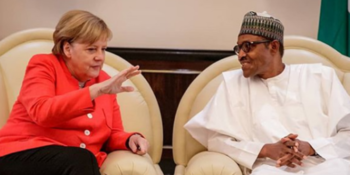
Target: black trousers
50,160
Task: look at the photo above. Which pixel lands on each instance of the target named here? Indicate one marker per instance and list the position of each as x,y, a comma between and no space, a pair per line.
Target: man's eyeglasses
246,46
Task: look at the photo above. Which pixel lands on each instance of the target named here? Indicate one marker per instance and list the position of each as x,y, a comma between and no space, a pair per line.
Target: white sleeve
212,127
337,146
338,108
244,153
197,126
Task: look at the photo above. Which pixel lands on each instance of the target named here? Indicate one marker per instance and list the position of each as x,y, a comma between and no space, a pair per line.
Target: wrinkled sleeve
244,153
214,128
338,109
39,98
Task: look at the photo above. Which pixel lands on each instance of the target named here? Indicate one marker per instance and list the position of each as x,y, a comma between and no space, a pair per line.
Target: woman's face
84,61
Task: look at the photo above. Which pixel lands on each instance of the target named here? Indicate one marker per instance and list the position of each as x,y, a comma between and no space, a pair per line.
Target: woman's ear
67,49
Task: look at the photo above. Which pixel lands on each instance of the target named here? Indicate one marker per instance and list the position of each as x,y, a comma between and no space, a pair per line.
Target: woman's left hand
138,144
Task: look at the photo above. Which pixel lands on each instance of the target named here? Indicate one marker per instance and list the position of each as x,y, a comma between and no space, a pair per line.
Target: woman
66,117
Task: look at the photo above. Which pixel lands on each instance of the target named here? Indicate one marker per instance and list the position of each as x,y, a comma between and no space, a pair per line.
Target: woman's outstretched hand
114,84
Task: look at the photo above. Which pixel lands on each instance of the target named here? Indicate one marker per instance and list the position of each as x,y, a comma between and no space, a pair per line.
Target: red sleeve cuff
119,141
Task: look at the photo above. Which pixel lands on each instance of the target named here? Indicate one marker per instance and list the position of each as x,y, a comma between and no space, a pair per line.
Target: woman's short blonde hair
81,26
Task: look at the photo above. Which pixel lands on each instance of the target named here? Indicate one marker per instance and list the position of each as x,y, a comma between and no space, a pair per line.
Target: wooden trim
178,71
195,60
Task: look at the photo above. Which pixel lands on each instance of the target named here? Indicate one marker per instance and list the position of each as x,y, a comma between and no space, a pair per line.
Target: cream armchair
190,157
140,111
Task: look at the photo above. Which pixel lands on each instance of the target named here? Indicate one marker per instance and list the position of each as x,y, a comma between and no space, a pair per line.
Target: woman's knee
78,161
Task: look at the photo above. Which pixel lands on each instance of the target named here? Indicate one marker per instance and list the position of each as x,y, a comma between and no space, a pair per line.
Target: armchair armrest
125,162
212,163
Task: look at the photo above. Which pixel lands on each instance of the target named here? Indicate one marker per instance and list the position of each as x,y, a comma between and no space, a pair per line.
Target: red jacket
51,109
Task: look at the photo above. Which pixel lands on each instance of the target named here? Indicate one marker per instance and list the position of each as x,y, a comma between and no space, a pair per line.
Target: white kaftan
246,113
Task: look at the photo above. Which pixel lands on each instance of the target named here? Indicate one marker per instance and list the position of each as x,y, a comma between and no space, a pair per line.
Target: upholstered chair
140,111
192,158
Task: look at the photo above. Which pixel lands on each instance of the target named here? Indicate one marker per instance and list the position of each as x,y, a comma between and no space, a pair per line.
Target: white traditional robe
246,113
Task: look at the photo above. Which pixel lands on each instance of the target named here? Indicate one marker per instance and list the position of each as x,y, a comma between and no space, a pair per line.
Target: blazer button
82,145
89,115
87,132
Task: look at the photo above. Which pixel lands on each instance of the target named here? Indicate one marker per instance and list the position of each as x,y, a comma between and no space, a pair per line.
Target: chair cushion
125,162
212,163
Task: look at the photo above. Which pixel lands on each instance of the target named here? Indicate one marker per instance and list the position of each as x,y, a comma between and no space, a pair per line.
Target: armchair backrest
297,50
140,111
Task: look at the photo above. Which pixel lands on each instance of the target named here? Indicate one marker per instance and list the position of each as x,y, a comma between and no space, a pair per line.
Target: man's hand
301,149
138,144
302,146
274,151
285,152
290,160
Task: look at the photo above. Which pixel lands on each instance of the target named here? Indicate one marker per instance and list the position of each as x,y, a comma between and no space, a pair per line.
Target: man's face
257,60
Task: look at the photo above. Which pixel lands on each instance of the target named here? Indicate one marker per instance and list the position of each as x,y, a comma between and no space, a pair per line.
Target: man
273,118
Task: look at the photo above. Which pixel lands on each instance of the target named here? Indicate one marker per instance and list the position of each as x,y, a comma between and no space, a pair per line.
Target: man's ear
275,46
67,49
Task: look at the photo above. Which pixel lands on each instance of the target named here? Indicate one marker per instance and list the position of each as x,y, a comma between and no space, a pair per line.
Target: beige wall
177,24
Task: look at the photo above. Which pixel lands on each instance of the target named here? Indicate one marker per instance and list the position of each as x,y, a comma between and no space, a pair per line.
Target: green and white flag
334,28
